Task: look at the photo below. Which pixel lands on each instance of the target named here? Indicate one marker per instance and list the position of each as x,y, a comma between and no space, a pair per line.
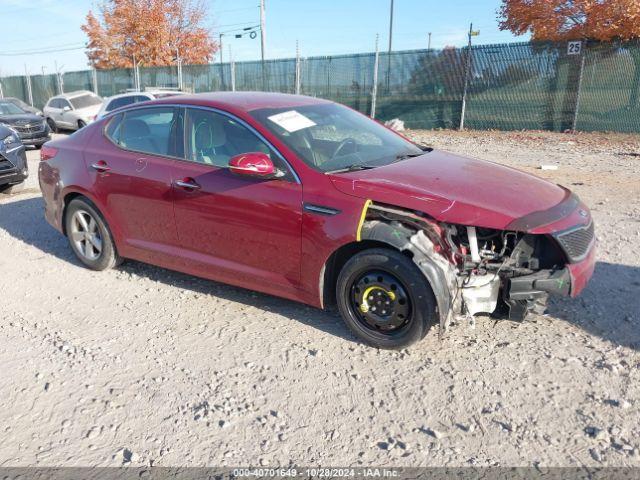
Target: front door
248,229
130,166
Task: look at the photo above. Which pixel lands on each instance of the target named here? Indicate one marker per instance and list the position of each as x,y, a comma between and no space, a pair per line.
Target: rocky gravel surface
143,366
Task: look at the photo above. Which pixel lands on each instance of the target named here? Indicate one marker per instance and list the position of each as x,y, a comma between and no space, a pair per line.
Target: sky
322,27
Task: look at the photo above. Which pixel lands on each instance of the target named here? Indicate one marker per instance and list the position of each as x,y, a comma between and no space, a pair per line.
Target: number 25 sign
574,48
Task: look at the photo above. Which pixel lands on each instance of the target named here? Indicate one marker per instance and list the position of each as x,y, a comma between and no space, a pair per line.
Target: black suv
13,160
32,129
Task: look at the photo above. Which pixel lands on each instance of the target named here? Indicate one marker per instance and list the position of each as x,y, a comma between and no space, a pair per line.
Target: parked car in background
128,98
13,161
72,111
23,105
310,200
31,128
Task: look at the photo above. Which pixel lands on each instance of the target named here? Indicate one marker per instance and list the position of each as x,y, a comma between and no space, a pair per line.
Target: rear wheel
89,236
385,299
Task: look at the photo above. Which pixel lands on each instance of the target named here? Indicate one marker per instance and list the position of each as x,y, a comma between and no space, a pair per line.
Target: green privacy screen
510,86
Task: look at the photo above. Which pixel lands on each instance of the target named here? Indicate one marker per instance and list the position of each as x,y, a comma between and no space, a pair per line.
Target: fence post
374,89
29,91
297,82
94,77
233,75
579,92
1,91
467,69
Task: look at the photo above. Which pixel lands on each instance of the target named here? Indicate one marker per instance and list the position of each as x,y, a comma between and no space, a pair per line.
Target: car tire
81,124
89,235
52,125
378,279
12,188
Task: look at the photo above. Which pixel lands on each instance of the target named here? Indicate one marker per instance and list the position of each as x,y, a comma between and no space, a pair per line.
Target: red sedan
309,200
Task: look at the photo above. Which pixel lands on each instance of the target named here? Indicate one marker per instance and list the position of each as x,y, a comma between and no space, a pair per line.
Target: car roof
77,93
130,94
245,101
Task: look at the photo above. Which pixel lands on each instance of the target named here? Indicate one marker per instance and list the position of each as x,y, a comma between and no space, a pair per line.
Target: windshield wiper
404,156
352,168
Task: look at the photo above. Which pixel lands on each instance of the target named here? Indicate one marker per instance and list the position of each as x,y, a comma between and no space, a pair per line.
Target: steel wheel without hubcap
380,302
85,235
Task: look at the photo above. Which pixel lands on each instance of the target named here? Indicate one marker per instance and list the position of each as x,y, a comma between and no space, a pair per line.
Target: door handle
101,166
187,183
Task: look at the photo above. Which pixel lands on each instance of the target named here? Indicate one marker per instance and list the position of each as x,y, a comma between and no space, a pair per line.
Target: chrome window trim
199,107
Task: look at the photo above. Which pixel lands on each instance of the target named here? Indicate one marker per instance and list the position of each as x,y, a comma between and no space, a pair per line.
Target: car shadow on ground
608,308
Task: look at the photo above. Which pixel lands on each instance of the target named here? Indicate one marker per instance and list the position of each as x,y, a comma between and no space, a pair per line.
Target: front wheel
81,124
385,299
52,125
89,236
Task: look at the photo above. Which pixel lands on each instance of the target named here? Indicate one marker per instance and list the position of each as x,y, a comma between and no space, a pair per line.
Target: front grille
576,242
26,129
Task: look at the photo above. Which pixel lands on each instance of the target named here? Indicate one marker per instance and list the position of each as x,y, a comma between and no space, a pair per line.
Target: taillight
47,153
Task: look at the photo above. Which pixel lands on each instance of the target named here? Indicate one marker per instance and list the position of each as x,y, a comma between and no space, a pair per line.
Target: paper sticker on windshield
291,121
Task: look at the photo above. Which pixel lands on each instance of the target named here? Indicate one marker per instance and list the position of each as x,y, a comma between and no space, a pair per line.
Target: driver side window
213,139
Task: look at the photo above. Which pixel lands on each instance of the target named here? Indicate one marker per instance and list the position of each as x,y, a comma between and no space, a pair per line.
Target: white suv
72,111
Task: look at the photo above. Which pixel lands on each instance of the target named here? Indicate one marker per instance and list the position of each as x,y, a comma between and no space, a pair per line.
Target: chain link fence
541,86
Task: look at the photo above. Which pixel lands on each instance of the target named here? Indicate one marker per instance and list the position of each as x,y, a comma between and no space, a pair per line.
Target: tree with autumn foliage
592,20
154,32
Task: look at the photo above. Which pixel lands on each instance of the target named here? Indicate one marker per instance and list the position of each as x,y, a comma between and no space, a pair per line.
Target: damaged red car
309,200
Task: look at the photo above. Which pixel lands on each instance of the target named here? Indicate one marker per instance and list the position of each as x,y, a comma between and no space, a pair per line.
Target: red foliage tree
152,31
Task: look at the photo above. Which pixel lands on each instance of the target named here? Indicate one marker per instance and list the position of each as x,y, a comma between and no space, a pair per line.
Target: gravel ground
143,366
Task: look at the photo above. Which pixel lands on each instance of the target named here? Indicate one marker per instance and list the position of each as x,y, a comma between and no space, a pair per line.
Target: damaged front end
475,270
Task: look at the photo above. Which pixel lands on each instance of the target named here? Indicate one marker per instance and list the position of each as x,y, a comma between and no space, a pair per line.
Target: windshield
8,108
84,101
330,137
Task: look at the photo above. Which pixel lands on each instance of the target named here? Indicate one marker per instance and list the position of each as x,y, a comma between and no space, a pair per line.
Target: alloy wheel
85,235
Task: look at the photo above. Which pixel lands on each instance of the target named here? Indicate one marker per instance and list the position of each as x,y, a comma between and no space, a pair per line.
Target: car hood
20,119
88,111
461,190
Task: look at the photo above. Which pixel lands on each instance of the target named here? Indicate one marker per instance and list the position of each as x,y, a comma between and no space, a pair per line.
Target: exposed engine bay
471,269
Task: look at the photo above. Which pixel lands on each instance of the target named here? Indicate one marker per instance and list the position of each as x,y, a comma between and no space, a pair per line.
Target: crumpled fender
439,272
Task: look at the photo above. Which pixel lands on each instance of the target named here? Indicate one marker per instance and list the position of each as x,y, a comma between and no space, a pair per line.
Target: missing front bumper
529,292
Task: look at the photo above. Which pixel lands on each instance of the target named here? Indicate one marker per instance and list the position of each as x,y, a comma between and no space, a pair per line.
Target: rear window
84,101
154,130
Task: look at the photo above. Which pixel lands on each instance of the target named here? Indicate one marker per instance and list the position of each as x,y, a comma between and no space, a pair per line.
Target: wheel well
338,259
67,199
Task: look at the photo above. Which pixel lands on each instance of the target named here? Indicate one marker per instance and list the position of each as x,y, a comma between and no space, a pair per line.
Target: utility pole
263,42
374,89
467,71
429,44
390,45
263,31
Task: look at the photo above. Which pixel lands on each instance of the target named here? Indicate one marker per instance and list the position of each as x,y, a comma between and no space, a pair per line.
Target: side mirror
66,108
254,164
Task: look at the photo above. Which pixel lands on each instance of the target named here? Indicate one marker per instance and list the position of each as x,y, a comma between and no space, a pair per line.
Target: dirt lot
141,365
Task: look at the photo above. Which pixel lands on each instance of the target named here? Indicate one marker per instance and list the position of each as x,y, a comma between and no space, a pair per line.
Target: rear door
248,229
130,166
54,109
